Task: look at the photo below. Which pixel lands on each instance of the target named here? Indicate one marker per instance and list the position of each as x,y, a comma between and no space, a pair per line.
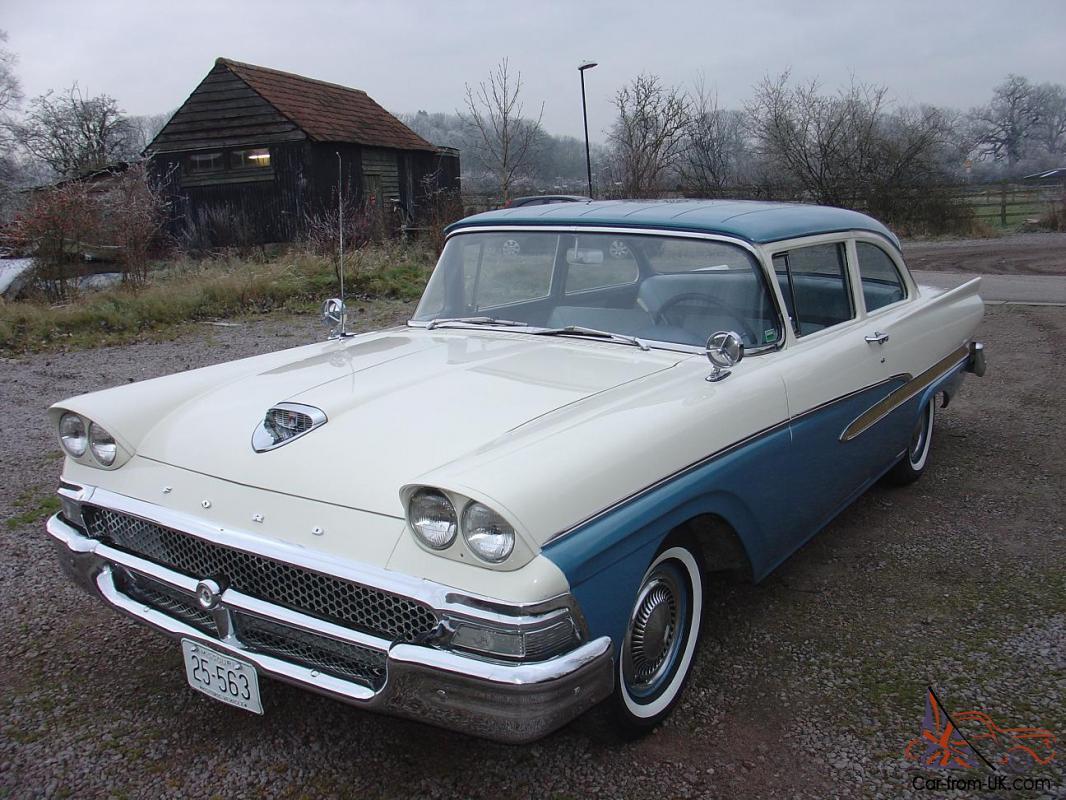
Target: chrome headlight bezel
102,448
76,431
428,496
102,445
471,515
492,529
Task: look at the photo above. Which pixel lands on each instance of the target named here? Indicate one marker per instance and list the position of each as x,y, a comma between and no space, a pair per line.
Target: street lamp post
585,114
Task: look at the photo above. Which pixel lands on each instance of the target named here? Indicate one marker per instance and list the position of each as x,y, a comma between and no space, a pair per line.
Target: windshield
658,288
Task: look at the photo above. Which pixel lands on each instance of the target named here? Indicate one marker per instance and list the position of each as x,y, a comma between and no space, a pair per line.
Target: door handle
877,338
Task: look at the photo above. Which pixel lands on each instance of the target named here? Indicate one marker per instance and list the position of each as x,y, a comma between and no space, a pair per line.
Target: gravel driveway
809,685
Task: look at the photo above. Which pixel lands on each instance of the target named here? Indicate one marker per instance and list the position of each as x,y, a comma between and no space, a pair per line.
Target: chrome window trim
756,252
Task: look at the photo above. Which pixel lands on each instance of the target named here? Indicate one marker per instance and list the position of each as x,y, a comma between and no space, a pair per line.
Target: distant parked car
545,199
505,512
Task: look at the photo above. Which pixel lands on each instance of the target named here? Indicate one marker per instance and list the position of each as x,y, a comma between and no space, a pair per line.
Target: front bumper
509,702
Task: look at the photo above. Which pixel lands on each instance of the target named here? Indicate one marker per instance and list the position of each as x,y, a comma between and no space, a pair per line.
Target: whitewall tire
912,465
660,641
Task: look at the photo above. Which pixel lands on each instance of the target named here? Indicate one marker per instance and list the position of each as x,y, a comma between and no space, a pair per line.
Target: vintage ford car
504,513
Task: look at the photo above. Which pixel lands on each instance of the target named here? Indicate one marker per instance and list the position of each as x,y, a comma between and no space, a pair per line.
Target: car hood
398,404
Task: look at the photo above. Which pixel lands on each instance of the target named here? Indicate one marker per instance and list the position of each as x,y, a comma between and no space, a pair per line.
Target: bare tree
851,150
10,88
827,143
1050,129
506,139
11,168
649,136
1003,127
717,150
74,134
144,128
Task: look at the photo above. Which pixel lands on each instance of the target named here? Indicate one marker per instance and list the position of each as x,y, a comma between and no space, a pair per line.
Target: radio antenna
340,240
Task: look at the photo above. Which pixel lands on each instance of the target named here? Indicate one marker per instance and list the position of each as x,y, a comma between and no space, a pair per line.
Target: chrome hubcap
918,438
655,632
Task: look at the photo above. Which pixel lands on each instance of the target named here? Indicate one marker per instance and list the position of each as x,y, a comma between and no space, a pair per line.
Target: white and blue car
505,512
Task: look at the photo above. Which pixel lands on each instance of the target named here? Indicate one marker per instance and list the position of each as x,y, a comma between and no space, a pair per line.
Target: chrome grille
342,659
164,598
379,613
292,423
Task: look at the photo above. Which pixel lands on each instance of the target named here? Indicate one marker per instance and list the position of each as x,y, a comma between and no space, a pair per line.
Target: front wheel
912,465
660,640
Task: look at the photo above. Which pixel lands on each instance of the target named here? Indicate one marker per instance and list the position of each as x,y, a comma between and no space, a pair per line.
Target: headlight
487,533
102,444
433,519
72,434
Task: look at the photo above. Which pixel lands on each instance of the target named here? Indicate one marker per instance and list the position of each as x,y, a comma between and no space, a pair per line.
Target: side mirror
724,350
333,313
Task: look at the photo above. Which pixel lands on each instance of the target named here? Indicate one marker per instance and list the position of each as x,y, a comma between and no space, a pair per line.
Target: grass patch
184,291
32,508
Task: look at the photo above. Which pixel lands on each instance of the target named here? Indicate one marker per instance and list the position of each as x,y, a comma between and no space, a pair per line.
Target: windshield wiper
580,330
510,323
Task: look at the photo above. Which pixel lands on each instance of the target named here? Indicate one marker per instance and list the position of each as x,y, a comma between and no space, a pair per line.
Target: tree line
792,140
797,140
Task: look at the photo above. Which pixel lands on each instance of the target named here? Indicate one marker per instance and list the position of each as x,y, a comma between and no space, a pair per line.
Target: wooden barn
264,150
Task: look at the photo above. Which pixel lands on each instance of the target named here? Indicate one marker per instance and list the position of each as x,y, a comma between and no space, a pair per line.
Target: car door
833,373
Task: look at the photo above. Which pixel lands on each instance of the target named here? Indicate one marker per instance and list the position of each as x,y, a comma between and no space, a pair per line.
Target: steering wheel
661,317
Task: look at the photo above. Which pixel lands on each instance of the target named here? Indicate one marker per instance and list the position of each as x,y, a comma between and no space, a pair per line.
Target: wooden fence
1003,205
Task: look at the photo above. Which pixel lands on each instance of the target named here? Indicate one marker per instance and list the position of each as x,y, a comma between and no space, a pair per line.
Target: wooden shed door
381,174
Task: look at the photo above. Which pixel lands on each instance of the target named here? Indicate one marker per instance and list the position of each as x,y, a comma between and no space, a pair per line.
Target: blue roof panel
751,220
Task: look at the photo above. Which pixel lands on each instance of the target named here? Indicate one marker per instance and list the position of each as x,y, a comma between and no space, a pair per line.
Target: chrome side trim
907,391
716,455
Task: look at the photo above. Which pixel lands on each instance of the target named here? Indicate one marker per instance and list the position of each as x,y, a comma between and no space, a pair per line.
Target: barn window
205,162
249,159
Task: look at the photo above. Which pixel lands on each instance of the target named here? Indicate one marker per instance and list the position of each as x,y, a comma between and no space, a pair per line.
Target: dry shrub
441,209
1054,219
322,229
213,230
55,224
133,216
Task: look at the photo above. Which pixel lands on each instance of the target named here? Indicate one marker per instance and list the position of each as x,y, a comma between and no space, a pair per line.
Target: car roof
758,222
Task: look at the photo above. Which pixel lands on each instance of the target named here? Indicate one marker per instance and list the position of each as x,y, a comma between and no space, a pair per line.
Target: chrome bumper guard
976,362
508,702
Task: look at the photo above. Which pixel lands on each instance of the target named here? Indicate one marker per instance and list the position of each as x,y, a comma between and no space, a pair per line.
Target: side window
814,281
881,281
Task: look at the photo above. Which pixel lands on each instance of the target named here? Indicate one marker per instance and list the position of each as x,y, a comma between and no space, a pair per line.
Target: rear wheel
660,640
912,465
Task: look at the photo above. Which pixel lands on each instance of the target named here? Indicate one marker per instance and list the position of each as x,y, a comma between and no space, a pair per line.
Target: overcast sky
418,55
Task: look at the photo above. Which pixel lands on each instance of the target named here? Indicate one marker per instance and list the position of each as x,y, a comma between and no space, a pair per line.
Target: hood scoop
284,423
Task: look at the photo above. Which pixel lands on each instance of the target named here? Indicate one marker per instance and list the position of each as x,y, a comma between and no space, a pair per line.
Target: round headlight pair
488,535
76,439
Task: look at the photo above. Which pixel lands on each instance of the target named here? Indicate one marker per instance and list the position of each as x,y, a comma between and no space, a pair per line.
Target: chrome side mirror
724,350
333,314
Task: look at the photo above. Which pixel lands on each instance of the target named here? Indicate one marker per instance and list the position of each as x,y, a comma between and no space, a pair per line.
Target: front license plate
221,677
